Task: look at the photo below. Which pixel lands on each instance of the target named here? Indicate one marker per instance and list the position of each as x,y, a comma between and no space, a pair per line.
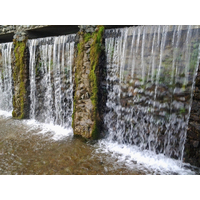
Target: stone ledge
5,29
7,32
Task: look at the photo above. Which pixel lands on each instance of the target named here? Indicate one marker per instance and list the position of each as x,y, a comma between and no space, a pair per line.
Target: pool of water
27,147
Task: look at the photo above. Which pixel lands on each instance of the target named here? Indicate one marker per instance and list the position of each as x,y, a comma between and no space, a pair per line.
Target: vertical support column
192,145
86,116
21,101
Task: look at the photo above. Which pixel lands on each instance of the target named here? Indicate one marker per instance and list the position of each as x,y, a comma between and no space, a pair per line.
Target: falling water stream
6,77
51,79
150,79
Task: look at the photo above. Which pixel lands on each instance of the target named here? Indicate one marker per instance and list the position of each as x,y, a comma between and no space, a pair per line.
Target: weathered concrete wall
192,145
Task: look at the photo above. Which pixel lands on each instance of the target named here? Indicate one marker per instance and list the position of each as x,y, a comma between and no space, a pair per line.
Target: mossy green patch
95,51
18,76
182,111
87,37
94,60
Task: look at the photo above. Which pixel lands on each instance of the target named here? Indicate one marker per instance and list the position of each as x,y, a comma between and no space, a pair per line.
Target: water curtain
51,83
6,51
151,72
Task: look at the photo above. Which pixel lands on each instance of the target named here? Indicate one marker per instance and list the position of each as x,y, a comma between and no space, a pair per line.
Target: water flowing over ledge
151,72
6,77
151,75
51,79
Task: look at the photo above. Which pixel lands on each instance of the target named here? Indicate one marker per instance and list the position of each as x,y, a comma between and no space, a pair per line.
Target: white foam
156,163
57,131
5,114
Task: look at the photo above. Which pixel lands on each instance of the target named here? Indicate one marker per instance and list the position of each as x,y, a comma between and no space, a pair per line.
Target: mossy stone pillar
86,119
21,83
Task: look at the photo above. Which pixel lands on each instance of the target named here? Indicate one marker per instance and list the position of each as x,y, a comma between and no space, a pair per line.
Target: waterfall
50,71
151,72
6,77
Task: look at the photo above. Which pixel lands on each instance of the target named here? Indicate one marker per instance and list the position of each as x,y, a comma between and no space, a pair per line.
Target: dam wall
137,85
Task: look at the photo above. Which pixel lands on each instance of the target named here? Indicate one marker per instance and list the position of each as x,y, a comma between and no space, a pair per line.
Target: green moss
95,51
80,47
94,59
183,87
18,75
14,113
182,111
87,37
196,45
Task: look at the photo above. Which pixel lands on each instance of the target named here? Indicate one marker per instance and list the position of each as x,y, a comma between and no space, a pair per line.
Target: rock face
192,145
86,117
